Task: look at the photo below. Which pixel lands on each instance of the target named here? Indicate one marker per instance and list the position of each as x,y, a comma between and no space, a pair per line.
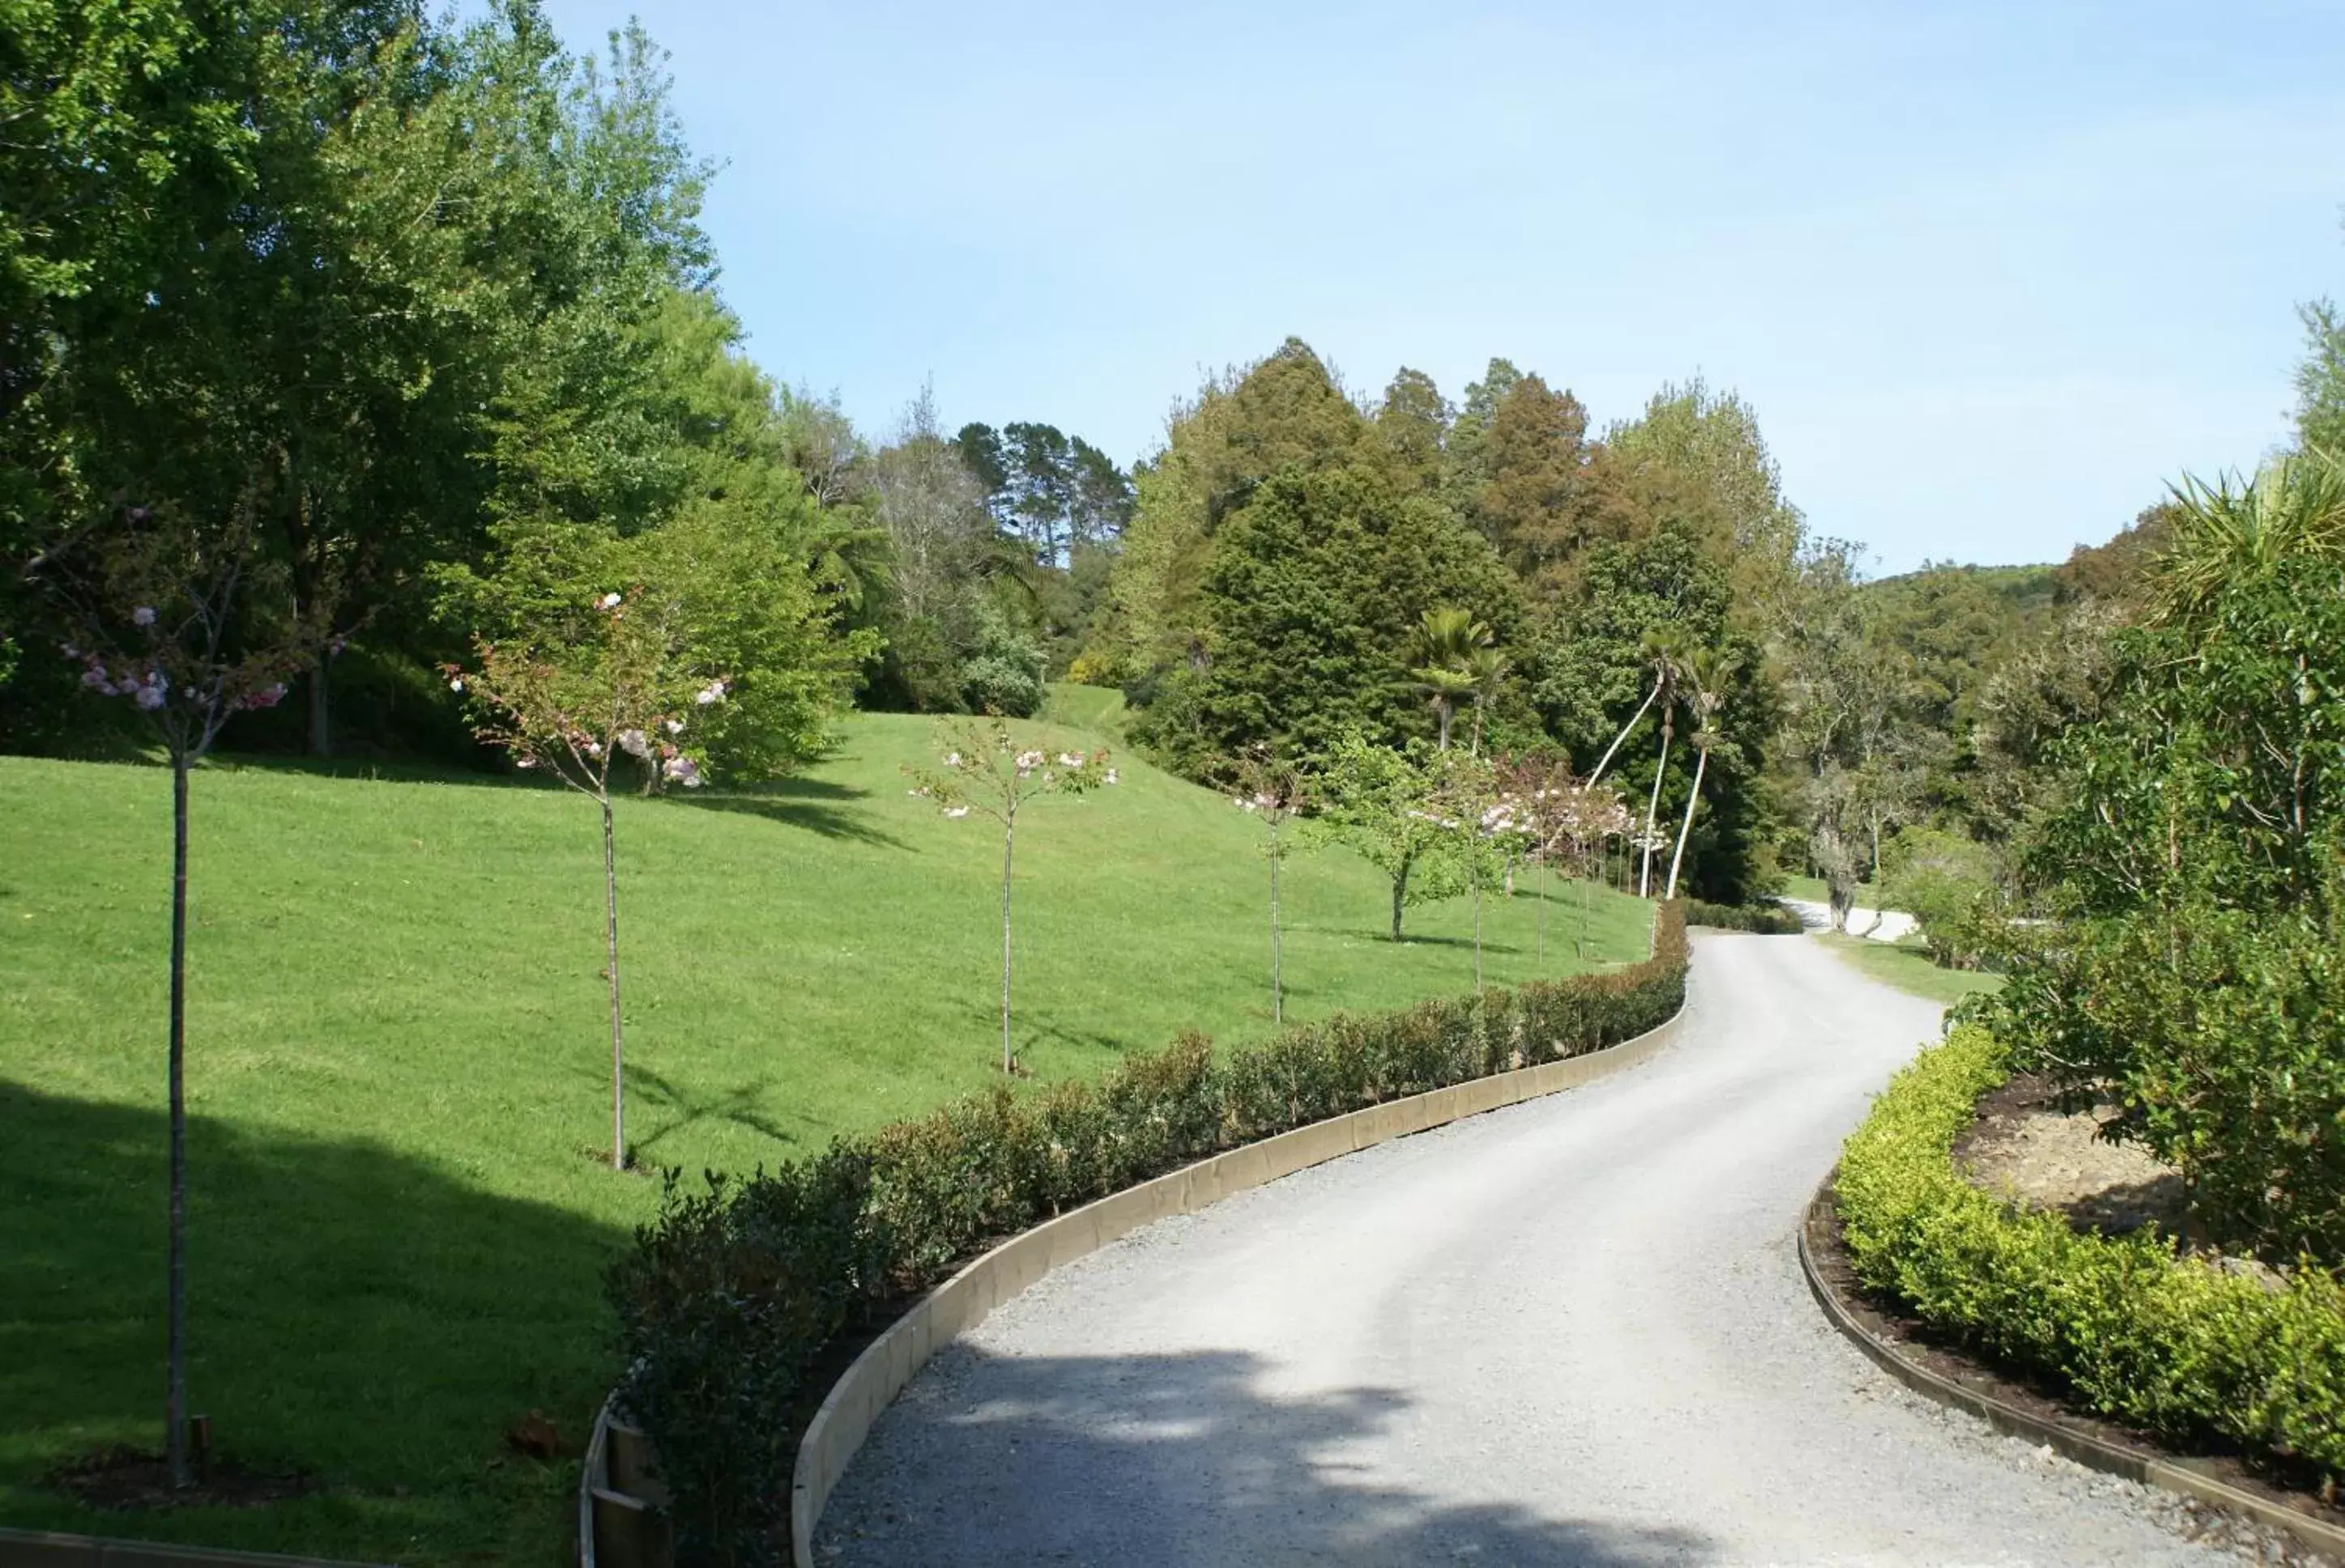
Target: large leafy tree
1313,594
1284,411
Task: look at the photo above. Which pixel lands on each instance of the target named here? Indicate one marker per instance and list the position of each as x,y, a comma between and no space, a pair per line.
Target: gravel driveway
1573,1331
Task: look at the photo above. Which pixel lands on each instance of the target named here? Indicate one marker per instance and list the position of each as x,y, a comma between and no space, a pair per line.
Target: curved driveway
1572,1333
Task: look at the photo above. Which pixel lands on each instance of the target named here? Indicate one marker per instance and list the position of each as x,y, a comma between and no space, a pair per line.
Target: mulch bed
121,1478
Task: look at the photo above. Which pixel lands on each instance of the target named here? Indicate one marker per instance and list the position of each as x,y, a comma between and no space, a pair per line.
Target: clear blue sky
1990,273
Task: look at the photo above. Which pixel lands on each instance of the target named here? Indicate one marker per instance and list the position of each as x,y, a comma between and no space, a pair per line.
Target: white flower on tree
986,772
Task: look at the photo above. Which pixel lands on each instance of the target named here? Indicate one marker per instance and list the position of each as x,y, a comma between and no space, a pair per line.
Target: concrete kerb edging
961,1303
2092,1451
50,1549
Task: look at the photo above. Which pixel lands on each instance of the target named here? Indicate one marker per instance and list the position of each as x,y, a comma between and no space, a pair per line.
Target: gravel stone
1573,1331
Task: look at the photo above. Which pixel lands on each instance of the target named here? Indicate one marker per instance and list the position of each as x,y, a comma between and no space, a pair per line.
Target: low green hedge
2170,1343
1761,919
732,1298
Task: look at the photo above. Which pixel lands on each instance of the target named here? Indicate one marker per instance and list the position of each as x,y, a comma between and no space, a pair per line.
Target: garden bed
2232,1372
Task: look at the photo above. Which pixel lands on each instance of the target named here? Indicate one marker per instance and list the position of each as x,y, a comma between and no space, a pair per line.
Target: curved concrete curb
961,1303
2094,1452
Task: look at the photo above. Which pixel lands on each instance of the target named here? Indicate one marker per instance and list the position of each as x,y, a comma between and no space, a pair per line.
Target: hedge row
2170,1343
1761,919
731,1298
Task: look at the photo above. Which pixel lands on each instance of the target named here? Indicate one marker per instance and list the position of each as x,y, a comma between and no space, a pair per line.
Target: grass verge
1908,967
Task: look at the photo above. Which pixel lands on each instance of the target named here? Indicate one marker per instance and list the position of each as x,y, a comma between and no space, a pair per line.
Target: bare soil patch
2022,1146
130,1479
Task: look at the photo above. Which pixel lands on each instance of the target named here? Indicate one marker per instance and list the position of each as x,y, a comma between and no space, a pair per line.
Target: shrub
1761,919
732,1296
2174,1344
1943,880
2215,1033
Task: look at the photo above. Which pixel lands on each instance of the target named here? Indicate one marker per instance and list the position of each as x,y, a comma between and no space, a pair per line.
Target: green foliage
2321,381
731,1295
1385,804
1944,880
2215,1032
1003,673
2191,856
2174,1344
1759,920
1313,591
1283,412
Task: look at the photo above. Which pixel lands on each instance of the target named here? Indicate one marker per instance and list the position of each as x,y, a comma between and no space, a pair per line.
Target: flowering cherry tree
164,607
984,771
1566,820
617,685
1468,805
1274,791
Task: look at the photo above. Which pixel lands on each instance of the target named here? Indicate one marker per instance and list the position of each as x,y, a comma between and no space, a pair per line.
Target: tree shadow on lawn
1178,1459
1413,939
353,1313
738,1105
813,805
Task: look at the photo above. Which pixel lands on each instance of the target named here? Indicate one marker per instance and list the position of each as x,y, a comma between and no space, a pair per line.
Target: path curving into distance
1573,1331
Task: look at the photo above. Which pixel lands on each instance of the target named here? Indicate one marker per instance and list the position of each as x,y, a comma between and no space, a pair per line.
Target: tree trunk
1277,1000
1009,841
1441,713
175,1351
1475,872
611,954
1624,733
1686,827
1542,936
321,733
1653,810
1400,896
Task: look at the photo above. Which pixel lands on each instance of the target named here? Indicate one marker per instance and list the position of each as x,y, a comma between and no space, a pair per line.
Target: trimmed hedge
2173,1344
1761,919
734,1294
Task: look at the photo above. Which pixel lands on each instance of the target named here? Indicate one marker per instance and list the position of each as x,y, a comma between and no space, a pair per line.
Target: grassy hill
399,1070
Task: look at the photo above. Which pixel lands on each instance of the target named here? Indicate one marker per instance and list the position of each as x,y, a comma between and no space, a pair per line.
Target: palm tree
2294,507
1708,673
1444,646
1486,667
1665,648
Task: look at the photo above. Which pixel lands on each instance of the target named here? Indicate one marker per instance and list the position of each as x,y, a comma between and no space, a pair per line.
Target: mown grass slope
398,1068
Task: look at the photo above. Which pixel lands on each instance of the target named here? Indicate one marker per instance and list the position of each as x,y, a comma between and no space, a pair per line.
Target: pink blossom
143,616
98,679
634,742
1111,776
712,692
952,758
1070,759
683,771
334,646
1029,761
608,602
673,726
956,810
456,685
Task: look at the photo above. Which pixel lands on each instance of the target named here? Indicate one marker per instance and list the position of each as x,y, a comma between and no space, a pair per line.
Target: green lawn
398,1065
1906,965
1813,890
